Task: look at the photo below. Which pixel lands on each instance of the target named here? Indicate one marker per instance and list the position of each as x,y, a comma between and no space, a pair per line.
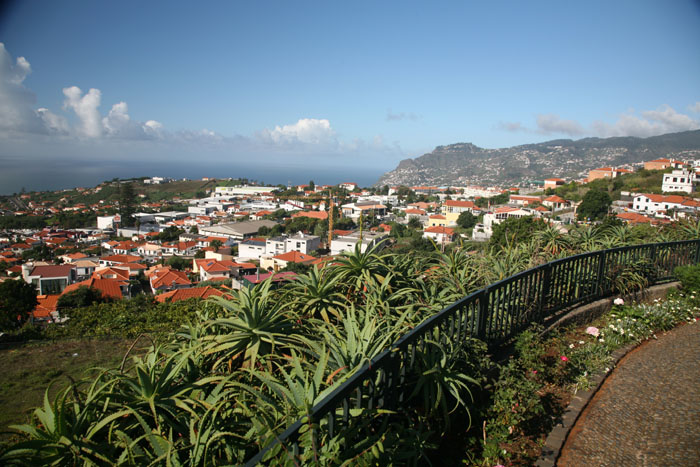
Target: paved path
647,412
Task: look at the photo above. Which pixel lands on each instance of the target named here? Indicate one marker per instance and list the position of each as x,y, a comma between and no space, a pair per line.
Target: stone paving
647,412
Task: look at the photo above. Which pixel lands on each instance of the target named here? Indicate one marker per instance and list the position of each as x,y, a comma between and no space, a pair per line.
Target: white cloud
16,101
550,123
55,123
118,124
651,123
695,107
85,107
306,130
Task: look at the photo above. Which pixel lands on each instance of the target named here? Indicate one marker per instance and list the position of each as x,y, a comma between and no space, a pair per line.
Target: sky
282,91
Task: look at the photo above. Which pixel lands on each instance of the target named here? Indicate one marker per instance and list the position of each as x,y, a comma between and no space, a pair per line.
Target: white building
242,190
303,243
107,222
653,204
251,249
348,242
679,180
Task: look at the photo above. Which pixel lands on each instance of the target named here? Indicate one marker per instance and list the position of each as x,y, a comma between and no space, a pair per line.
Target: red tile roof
322,215
52,271
45,306
440,230
295,257
166,277
109,287
121,258
184,294
460,204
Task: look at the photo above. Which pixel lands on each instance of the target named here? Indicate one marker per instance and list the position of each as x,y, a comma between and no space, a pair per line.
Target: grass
28,369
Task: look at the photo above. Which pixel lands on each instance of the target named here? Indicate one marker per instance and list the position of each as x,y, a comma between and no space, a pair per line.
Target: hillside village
235,235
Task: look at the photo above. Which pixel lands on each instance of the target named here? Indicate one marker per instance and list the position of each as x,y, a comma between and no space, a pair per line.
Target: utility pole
330,222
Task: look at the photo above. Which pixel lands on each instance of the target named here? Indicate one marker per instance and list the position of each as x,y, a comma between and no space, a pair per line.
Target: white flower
571,346
607,369
603,340
619,301
581,342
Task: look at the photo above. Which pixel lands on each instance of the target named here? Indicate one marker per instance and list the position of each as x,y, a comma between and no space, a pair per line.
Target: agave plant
357,268
439,384
552,240
585,238
316,294
354,341
256,324
67,432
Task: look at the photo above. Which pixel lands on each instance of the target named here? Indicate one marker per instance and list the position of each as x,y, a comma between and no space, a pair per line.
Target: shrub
689,277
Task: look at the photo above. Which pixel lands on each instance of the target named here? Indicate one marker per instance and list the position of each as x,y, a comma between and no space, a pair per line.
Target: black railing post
483,314
545,289
601,273
697,251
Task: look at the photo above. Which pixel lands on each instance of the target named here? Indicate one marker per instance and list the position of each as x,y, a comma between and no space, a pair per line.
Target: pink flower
593,331
564,359
619,301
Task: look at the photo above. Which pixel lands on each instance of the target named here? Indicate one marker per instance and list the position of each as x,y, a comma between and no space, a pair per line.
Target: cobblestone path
647,412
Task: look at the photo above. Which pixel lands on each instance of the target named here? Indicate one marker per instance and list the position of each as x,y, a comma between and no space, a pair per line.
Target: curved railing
494,314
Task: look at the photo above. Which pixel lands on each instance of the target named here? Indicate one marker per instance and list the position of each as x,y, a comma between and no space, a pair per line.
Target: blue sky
336,89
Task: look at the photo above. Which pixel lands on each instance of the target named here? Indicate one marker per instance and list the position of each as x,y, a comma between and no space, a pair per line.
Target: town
235,234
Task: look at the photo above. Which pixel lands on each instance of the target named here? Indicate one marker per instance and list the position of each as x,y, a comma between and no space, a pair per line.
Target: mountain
464,163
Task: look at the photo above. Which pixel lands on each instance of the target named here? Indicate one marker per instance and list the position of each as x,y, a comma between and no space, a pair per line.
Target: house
150,251
679,180
452,209
237,230
348,186
72,257
275,263
110,288
303,243
201,293
354,210
653,204
553,183
524,200
348,242
252,248
210,269
275,245
437,220
661,164
112,273
556,203
169,279
84,268
606,172
440,234
50,279
124,248
179,248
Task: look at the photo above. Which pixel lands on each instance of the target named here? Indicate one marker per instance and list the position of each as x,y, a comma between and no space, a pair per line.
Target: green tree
17,300
594,205
466,220
312,185
515,230
178,263
127,204
414,223
170,234
216,244
83,296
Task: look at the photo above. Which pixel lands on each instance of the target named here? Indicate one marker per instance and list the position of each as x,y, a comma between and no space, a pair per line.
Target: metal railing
494,314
